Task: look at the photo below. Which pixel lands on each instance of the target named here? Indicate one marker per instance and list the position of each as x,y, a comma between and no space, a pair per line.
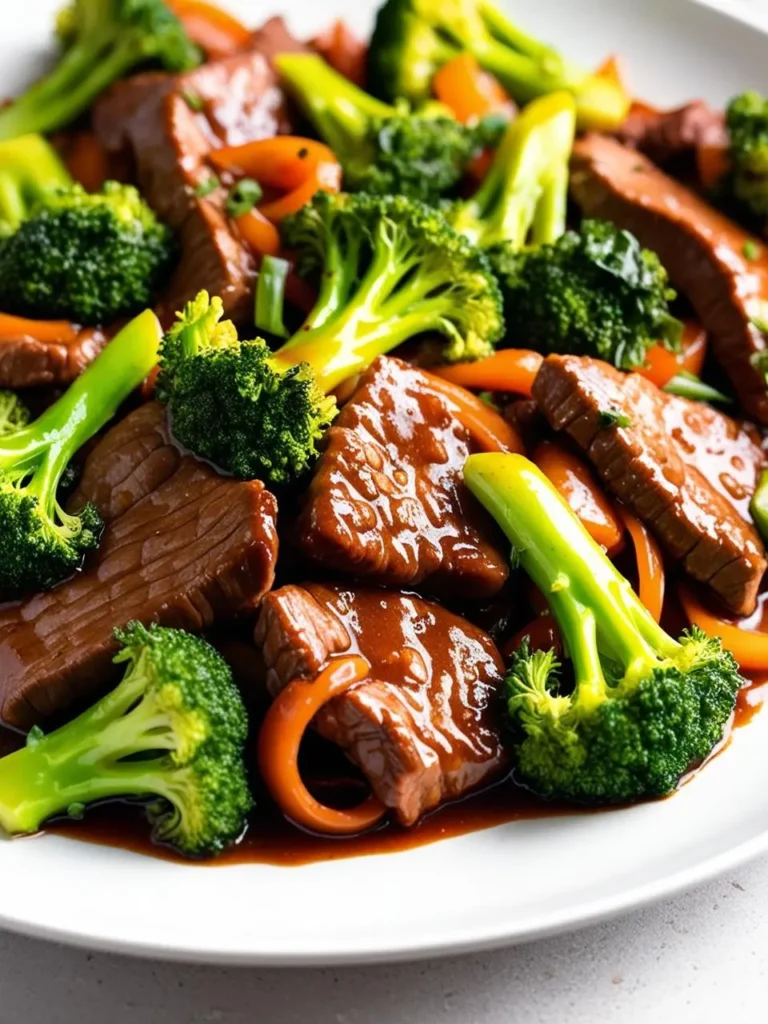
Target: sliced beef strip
423,728
387,500
26,362
198,548
129,463
170,142
703,251
671,136
685,471
274,37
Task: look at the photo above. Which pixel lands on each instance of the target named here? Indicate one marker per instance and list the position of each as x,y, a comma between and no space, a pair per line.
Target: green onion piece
613,418
206,187
270,295
193,101
688,385
243,196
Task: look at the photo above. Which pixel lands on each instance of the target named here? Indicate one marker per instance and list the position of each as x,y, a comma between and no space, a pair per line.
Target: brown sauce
271,839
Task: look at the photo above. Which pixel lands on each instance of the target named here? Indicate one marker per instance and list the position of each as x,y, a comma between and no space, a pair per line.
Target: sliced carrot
41,330
258,232
470,92
712,164
610,70
574,480
324,178
216,31
650,565
661,365
512,369
748,646
301,167
284,161
343,51
490,431
278,749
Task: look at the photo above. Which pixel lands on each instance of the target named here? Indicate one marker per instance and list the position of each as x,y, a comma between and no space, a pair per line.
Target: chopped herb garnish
751,249
206,187
243,196
303,153
613,418
193,101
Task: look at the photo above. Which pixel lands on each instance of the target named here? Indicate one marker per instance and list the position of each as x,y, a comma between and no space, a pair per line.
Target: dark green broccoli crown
746,119
747,124
41,545
200,723
86,258
13,412
638,742
440,282
596,293
419,157
230,403
147,27
405,53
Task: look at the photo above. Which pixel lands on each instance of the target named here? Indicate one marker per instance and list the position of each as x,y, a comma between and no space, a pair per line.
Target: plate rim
527,927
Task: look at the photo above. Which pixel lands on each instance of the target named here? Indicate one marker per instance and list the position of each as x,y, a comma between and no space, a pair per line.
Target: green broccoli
595,292
644,708
389,269
746,119
89,258
412,39
42,544
172,732
524,195
29,169
13,413
383,150
103,40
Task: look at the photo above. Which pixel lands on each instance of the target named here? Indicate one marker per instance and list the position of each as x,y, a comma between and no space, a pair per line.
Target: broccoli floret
746,119
383,150
523,197
29,169
595,292
41,543
389,268
172,733
13,413
412,39
644,708
89,258
104,40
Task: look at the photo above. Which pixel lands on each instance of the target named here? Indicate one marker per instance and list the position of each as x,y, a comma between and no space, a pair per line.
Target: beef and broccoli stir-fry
392,413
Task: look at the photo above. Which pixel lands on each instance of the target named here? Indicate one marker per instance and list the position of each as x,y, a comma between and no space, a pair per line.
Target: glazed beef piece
423,730
387,501
26,362
703,251
170,141
671,137
274,38
130,462
686,470
183,547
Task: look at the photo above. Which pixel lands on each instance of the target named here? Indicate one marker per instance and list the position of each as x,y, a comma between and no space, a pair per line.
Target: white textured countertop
702,957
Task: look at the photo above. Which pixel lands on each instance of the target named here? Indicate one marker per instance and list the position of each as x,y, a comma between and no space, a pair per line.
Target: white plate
493,887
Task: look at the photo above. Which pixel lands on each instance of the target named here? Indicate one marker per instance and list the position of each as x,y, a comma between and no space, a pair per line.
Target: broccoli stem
92,400
82,73
594,606
339,110
526,189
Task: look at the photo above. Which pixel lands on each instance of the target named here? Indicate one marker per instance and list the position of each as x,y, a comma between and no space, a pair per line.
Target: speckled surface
702,957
